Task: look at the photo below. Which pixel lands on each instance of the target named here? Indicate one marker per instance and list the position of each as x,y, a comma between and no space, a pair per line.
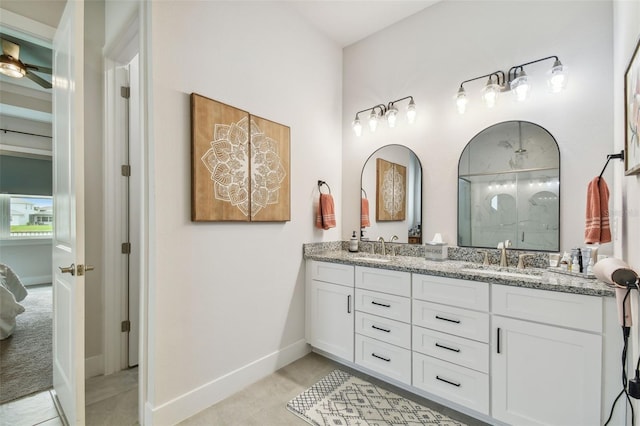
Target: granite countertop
539,278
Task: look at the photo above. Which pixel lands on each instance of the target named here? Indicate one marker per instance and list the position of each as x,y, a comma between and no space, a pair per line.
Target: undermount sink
502,272
372,259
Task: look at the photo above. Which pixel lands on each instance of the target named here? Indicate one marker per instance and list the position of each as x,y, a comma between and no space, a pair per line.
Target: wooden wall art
391,187
240,165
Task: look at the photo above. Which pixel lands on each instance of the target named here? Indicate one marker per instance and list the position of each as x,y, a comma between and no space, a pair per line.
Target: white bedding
11,292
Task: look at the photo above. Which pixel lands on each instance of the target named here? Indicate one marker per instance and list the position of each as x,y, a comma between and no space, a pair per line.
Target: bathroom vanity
504,346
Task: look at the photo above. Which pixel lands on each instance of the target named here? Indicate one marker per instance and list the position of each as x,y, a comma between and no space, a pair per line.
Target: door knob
68,270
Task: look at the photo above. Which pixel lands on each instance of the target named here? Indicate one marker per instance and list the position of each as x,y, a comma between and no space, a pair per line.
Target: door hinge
126,248
125,92
125,326
126,170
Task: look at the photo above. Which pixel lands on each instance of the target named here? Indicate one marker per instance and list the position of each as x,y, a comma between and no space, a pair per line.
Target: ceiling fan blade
41,81
39,68
11,49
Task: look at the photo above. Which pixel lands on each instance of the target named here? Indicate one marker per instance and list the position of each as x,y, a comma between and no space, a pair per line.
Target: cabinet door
332,319
545,375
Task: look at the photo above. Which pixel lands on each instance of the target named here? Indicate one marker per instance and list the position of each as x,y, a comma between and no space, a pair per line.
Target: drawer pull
373,302
448,381
381,329
498,332
447,348
447,319
380,357
349,304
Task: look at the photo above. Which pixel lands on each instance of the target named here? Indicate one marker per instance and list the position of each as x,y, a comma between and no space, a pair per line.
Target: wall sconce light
389,111
517,81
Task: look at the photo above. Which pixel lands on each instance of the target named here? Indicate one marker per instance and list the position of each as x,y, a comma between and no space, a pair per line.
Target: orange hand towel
364,213
597,228
326,216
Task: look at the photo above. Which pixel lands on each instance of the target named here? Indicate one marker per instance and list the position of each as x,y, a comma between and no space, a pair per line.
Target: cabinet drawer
451,291
383,358
551,307
383,280
384,305
448,319
384,329
457,350
334,273
467,387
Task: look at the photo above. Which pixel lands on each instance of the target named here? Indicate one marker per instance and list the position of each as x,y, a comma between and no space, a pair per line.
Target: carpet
341,399
26,356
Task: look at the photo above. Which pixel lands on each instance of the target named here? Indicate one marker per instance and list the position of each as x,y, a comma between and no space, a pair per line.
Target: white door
68,196
332,316
545,375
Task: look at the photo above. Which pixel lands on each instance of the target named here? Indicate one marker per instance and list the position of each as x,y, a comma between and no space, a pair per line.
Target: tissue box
435,251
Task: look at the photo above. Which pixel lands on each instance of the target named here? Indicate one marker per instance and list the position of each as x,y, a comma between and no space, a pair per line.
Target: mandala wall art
632,113
240,165
391,190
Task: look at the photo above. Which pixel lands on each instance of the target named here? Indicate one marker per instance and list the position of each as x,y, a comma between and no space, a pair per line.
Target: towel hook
320,183
609,157
364,192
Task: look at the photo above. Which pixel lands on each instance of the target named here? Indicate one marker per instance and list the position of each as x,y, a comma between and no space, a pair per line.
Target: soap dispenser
353,243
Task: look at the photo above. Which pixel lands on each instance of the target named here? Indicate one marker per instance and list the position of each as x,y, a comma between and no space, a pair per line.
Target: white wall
429,54
626,34
227,295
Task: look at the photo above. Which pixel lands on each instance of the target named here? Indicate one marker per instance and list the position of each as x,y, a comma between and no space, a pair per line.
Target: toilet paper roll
604,269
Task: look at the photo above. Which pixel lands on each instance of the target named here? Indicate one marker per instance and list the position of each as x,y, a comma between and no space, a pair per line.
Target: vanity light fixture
516,81
389,111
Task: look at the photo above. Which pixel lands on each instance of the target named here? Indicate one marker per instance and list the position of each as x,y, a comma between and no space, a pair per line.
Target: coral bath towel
597,228
364,212
326,216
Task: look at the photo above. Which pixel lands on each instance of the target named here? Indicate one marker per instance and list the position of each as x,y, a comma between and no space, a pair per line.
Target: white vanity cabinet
451,339
383,316
546,361
330,308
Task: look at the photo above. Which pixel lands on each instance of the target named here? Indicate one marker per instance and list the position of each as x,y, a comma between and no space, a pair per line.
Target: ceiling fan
11,65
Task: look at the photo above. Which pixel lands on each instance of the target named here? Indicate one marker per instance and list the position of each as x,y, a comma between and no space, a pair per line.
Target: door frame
130,41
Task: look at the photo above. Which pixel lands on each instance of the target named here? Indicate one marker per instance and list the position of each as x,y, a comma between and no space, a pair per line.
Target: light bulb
557,77
411,112
490,93
373,120
392,115
461,100
520,86
11,67
357,127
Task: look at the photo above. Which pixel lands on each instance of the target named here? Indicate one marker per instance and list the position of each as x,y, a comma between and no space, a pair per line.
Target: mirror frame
515,171
372,208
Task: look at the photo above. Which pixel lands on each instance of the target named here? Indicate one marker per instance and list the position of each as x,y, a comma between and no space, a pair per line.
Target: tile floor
112,400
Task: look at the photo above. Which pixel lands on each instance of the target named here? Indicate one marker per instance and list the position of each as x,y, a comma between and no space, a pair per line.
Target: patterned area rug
25,356
341,399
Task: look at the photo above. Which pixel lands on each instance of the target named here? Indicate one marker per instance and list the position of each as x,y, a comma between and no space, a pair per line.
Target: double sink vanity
504,345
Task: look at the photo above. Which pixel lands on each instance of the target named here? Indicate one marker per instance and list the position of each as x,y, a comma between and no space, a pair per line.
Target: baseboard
93,366
193,402
35,280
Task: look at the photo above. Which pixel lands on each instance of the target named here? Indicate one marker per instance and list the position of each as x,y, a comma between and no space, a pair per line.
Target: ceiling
348,21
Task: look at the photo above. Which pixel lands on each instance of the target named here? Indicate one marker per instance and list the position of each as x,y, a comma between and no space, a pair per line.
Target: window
25,216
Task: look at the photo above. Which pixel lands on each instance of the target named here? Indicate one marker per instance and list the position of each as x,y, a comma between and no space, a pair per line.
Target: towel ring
364,192
320,183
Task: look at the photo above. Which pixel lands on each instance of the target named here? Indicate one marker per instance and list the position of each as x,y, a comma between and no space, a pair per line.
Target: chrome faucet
393,248
384,250
502,246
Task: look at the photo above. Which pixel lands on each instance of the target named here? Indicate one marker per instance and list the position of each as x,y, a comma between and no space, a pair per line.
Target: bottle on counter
353,243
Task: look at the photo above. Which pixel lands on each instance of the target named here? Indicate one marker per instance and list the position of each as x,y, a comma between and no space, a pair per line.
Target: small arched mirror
509,188
391,196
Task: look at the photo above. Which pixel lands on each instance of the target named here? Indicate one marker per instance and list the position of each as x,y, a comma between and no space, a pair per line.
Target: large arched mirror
391,195
509,188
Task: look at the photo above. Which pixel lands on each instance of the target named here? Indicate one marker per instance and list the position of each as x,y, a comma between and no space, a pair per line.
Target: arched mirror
391,195
509,188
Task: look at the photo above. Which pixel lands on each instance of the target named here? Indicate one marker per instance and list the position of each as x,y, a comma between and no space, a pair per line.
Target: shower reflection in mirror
509,188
